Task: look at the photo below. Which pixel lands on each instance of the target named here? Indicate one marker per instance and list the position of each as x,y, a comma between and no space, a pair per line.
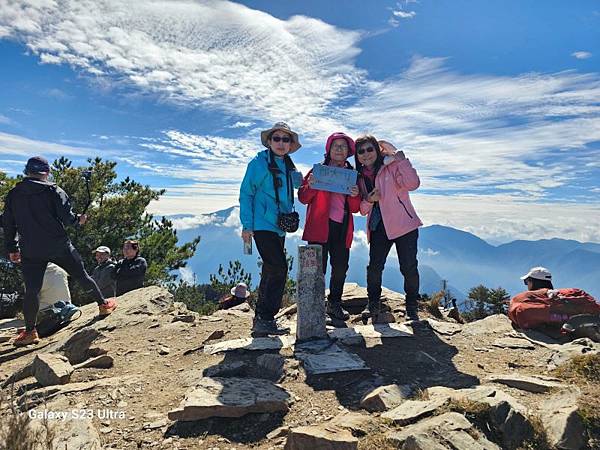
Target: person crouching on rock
329,221
267,213
38,211
386,177
131,270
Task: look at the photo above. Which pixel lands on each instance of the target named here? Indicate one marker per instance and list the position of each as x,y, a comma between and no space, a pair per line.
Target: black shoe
370,311
412,314
335,311
262,328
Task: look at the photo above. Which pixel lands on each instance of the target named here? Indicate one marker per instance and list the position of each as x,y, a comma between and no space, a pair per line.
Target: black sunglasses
525,281
362,150
285,140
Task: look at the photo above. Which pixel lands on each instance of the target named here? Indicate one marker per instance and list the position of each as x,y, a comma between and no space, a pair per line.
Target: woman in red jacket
329,221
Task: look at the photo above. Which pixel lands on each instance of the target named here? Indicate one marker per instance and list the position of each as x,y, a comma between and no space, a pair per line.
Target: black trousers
406,247
33,273
335,248
273,275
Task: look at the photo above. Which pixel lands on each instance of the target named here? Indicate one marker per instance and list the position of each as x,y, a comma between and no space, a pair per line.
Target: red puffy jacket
553,307
316,228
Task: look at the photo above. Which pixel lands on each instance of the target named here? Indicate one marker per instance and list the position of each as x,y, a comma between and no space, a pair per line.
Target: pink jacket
394,181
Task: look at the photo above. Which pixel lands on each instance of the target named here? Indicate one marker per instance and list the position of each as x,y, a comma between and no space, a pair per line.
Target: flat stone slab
322,357
412,410
231,397
377,331
320,437
445,328
251,344
514,343
525,383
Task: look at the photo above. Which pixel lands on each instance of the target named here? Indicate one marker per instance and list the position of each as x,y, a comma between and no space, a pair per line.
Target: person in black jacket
130,271
39,211
104,273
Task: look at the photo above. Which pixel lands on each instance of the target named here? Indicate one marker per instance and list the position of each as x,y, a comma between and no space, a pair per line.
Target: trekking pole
87,175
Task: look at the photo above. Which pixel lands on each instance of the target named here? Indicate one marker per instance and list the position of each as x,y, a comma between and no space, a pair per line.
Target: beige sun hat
281,126
240,290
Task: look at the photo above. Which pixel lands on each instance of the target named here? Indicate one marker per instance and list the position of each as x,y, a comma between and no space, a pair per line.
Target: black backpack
57,316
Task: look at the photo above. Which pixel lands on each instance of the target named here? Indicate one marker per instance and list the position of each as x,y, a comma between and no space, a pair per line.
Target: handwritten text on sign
333,179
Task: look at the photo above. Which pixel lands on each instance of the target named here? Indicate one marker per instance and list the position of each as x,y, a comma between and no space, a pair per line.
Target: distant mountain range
459,257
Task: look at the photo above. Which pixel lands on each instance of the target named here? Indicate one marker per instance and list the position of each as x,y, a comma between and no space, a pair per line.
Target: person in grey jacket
104,272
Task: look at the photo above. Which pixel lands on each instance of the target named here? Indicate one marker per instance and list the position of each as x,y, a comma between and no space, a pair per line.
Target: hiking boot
371,310
335,311
263,327
109,305
412,314
26,338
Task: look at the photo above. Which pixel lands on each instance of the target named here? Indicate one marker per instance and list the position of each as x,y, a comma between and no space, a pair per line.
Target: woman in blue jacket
260,207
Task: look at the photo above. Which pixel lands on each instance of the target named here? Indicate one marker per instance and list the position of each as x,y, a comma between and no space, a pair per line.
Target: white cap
538,273
103,249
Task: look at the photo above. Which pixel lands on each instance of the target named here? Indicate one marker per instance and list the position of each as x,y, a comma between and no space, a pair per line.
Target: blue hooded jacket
258,208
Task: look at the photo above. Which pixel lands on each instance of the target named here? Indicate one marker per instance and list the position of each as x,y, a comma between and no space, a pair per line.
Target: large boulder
449,430
50,369
412,410
495,324
563,424
384,398
231,397
506,414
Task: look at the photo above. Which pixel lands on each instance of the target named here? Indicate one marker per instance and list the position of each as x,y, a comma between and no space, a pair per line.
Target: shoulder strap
289,166
274,171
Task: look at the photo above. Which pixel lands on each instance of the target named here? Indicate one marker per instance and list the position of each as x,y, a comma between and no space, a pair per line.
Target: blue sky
497,104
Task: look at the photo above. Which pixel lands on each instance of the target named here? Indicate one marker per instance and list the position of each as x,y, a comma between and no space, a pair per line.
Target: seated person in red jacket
329,221
538,278
542,306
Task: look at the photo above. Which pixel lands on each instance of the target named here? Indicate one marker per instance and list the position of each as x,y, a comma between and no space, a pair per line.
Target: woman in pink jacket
386,177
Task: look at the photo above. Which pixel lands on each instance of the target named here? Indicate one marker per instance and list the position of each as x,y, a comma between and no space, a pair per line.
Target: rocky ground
154,375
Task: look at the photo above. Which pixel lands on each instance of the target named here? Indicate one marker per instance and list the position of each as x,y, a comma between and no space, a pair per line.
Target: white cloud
217,54
522,134
233,220
502,218
470,136
404,14
581,55
241,125
185,223
5,120
11,144
187,275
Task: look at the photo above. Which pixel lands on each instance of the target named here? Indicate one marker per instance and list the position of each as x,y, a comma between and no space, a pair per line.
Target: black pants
340,255
274,273
33,272
406,246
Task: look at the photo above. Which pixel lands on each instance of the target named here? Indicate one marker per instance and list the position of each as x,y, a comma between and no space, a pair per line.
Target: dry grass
432,306
375,441
583,368
17,432
539,440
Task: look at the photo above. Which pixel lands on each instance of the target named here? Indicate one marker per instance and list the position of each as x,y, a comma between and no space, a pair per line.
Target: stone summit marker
311,294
